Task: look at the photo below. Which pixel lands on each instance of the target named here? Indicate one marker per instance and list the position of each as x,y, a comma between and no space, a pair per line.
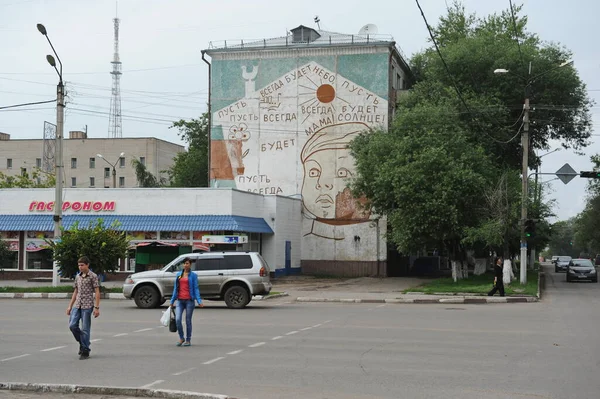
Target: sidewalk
313,289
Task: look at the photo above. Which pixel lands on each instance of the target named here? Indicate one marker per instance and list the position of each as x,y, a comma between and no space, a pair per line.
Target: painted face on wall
328,166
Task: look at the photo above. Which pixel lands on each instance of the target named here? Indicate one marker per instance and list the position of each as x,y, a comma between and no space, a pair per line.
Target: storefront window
13,258
41,259
39,235
174,235
142,235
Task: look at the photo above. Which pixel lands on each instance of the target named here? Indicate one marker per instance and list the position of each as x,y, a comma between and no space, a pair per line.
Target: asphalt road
276,349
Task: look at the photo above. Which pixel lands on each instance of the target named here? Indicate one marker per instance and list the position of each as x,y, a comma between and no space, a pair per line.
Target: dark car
562,263
581,269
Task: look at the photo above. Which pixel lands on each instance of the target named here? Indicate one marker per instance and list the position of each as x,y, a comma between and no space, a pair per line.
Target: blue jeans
82,335
188,305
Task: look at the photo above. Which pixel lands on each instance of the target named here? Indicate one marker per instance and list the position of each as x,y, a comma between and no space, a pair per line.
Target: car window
208,264
564,258
238,262
179,266
582,262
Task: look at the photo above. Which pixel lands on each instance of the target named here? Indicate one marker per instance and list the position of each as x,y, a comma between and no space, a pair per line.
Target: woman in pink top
186,291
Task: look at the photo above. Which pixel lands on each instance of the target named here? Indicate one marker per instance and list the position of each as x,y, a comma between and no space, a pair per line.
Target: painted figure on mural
328,165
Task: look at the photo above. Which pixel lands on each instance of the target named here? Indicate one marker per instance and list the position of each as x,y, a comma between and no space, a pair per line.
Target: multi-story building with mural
283,112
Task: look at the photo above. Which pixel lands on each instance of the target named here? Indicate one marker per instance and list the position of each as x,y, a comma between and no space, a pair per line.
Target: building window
73,182
38,163
73,163
106,173
92,182
143,160
122,162
121,181
23,171
92,163
9,163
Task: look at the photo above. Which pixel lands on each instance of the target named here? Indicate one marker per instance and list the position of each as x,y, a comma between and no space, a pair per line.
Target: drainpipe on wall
209,112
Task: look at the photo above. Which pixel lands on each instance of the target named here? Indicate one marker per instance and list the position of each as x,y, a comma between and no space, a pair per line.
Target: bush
103,246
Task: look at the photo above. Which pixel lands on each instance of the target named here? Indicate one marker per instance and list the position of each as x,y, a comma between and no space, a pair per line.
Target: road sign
566,173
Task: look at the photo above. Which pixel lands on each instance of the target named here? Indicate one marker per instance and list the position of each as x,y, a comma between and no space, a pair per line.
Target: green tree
426,175
562,240
144,177
6,255
190,168
473,47
587,222
38,179
103,245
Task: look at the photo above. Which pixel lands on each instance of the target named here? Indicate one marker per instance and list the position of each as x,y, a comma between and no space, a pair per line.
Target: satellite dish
368,29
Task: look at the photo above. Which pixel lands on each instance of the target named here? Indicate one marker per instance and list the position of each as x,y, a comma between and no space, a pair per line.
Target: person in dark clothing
498,282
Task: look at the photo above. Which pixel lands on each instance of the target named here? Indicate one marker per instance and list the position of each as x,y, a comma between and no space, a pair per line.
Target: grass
274,293
65,288
477,285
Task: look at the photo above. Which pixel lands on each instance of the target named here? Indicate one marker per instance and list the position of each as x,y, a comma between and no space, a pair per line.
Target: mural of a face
327,167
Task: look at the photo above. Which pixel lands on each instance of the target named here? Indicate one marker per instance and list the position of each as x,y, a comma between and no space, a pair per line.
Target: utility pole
524,194
58,159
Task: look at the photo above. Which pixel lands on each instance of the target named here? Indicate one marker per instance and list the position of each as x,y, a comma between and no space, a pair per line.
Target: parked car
554,259
597,262
561,264
581,269
230,276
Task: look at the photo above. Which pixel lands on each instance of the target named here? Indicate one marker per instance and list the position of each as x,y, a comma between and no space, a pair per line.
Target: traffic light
590,174
529,228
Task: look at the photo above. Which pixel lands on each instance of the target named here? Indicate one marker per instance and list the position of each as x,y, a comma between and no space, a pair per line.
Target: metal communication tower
49,146
114,120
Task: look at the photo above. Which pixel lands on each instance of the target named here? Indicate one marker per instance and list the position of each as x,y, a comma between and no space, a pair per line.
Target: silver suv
231,276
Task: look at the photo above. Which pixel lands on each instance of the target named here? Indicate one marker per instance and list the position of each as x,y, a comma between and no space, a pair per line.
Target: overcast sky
165,79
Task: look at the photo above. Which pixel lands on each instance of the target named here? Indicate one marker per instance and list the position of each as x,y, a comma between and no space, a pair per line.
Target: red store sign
76,206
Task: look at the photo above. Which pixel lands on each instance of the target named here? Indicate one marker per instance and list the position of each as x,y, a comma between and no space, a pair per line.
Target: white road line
256,345
317,325
292,333
235,352
214,360
380,306
143,329
12,358
152,384
328,321
185,371
52,349
276,338
305,328
96,340
369,309
120,335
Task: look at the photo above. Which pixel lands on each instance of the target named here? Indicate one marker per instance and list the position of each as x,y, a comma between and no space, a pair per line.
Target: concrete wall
159,156
282,121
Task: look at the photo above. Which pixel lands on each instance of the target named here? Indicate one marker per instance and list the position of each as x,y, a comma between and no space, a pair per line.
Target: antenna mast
317,21
114,119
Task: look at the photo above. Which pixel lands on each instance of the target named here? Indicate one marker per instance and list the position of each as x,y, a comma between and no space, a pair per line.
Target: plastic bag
166,317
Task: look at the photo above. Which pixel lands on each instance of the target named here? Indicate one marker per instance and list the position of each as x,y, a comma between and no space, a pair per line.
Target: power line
512,12
448,69
27,104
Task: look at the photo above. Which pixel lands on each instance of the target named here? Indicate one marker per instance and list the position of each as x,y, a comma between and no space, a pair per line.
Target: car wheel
236,297
147,297
555,269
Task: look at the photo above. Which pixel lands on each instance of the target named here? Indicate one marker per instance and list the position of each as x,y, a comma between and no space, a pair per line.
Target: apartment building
89,162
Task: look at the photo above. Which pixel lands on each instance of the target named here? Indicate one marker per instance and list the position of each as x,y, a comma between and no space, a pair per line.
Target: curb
267,297
465,300
99,390
53,295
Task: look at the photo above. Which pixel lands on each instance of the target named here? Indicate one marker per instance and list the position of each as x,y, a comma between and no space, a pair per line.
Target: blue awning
141,222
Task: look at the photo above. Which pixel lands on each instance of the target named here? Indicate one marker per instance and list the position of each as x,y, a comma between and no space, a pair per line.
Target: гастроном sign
76,206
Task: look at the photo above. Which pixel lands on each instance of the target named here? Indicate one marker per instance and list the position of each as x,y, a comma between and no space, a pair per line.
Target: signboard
566,173
76,206
225,239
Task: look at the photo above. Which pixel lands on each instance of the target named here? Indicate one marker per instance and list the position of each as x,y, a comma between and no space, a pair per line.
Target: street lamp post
113,165
58,157
525,146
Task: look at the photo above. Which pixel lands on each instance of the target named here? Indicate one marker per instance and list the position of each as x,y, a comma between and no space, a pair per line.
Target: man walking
82,306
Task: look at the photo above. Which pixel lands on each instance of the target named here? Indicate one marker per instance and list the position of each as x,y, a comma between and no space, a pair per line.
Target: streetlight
525,145
58,159
114,171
